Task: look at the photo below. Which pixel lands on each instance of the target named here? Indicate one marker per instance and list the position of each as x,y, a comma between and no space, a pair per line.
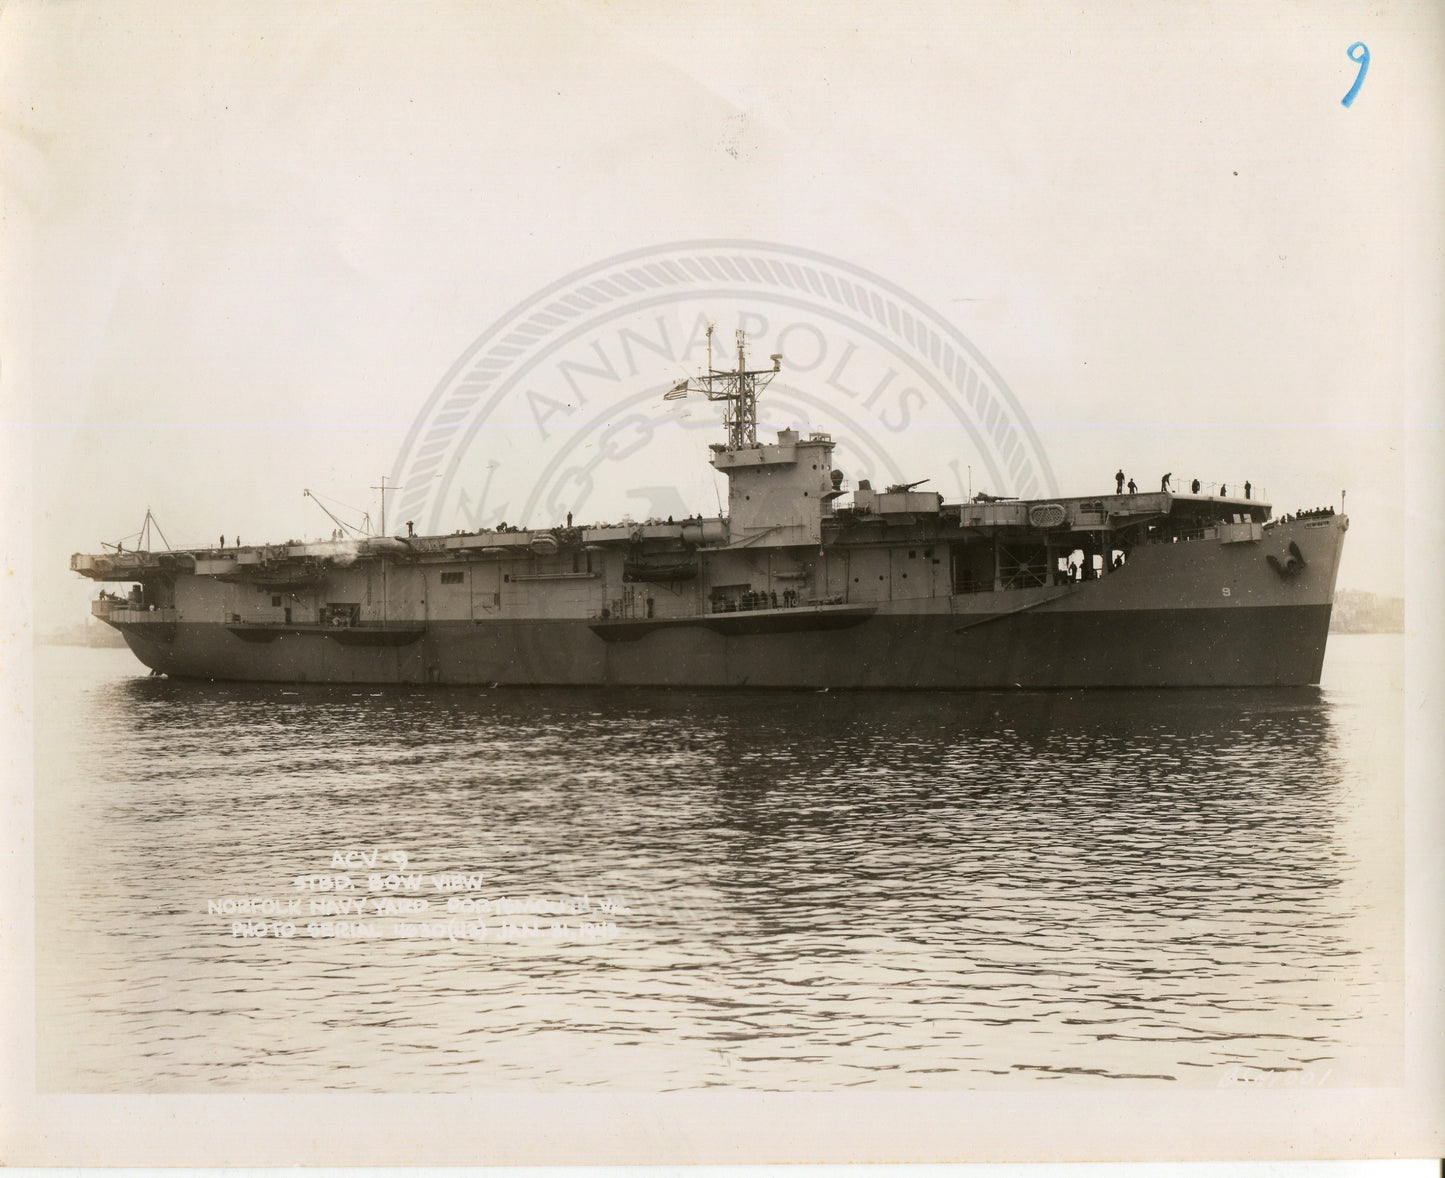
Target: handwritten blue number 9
1364,60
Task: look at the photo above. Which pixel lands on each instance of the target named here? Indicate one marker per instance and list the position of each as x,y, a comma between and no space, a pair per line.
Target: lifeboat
648,570
384,545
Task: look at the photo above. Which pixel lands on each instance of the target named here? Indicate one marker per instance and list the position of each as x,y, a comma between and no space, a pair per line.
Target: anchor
1290,567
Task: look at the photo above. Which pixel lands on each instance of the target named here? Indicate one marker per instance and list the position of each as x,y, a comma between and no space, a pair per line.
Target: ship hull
1242,608
1265,646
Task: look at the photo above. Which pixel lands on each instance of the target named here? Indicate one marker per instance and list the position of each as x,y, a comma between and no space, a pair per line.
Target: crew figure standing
1119,482
1133,489
1164,482
1247,488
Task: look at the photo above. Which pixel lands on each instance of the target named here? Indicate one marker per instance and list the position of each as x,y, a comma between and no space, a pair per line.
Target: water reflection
825,889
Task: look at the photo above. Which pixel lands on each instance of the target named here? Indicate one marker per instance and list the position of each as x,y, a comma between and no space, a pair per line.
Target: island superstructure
801,584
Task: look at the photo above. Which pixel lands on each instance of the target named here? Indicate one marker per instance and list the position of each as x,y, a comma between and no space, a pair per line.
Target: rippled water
813,891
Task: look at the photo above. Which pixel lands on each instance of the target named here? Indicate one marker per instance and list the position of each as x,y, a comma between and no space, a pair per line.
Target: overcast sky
244,242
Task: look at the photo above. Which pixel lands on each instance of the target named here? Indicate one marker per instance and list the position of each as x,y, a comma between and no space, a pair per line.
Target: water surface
811,891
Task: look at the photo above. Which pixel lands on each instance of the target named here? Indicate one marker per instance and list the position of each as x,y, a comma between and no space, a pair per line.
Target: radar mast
739,388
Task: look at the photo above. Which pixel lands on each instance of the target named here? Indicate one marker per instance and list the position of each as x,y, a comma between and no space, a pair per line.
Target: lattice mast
739,389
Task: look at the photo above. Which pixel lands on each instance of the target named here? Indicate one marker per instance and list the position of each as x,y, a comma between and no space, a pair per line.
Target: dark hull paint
1276,645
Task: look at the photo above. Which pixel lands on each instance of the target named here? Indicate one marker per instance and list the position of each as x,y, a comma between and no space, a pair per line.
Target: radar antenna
739,388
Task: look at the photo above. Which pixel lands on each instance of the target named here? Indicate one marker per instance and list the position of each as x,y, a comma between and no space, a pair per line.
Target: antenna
143,537
739,389
384,489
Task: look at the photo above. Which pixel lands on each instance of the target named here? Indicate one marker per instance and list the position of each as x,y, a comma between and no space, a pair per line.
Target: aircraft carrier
802,584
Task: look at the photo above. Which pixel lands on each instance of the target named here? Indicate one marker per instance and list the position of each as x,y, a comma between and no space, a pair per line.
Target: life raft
1047,515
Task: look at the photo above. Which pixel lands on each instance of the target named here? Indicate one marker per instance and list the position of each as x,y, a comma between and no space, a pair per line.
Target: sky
244,243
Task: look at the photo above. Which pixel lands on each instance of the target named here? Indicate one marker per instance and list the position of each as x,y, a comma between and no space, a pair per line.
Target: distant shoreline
1358,612
96,634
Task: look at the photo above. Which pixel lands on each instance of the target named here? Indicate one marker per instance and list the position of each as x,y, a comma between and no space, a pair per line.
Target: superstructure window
452,578
275,599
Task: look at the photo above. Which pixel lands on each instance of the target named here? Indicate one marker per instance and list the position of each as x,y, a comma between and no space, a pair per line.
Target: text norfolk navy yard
801,585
